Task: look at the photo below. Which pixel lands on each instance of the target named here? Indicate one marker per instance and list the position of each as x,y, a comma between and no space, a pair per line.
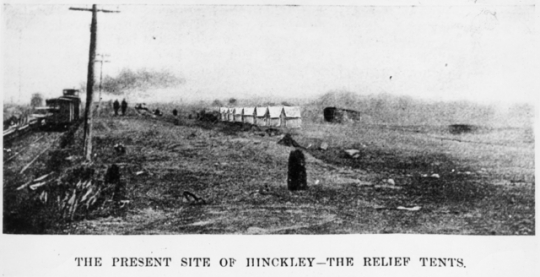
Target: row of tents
264,116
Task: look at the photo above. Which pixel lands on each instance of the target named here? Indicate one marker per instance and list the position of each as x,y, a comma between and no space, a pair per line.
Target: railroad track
20,131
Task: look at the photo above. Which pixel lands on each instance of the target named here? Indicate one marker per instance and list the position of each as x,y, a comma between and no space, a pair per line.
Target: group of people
117,106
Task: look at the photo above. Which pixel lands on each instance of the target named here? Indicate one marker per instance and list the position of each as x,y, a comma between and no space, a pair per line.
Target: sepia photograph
147,119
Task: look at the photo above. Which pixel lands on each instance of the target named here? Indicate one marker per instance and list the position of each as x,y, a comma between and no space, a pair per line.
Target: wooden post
101,61
90,81
90,87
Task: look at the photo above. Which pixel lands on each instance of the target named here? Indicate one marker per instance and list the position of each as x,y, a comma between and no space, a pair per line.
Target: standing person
116,106
124,106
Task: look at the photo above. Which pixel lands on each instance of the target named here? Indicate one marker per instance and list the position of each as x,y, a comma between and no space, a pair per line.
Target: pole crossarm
89,10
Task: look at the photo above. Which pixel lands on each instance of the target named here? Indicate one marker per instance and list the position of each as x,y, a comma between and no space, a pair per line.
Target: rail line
19,131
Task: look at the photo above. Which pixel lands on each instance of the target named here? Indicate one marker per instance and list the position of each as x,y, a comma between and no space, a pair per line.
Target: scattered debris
120,148
273,132
353,153
457,129
193,199
35,186
72,158
323,146
148,171
287,140
123,203
386,230
435,175
35,159
192,135
265,190
43,177
256,231
411,209
391,182
255,128
24,185
387,186
157,112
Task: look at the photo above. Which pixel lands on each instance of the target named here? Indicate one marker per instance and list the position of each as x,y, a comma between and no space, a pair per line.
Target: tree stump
297,177
112,176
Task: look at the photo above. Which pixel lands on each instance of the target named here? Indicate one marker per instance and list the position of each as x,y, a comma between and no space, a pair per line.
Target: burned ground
241,174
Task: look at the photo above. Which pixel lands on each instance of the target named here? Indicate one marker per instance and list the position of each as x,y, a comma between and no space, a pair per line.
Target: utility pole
102,60
90,80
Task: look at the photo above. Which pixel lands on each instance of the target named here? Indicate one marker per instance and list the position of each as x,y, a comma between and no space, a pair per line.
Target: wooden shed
291,117
339,115
273,116
238,114
259,115
248,115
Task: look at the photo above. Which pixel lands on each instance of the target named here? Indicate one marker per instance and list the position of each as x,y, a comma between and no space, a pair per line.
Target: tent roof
238,111
249,111
292,112
223,110
261,111
274,112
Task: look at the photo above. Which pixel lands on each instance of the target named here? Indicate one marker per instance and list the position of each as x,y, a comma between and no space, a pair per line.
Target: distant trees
37,100
217,103
232,101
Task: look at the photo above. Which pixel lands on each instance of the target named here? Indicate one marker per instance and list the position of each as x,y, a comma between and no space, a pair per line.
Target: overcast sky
473,52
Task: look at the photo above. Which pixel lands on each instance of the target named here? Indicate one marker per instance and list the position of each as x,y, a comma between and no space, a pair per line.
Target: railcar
64,110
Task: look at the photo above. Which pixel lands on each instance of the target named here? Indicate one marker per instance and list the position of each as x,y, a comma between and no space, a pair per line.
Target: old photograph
269,119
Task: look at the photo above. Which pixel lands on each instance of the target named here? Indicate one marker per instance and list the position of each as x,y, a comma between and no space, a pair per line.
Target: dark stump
297,177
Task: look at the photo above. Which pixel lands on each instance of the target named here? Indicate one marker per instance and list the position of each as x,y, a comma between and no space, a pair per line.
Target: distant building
259,115
291,117
338,115
248,115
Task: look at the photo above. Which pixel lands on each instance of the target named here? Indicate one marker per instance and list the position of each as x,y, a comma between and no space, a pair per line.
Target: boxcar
64,110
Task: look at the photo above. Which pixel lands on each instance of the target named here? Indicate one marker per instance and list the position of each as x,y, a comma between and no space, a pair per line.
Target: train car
64,110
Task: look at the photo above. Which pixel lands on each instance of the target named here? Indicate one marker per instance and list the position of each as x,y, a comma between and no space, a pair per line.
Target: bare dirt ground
419,181
230,167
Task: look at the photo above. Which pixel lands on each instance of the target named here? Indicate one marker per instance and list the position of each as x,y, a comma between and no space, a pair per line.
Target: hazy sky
474,52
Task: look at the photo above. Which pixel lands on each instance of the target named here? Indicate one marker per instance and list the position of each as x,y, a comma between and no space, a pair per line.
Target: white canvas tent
230,114
260,112
238,114
292,117
223,114
273,116
248,115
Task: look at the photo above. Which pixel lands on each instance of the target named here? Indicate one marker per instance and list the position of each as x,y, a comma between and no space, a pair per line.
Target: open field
484,182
